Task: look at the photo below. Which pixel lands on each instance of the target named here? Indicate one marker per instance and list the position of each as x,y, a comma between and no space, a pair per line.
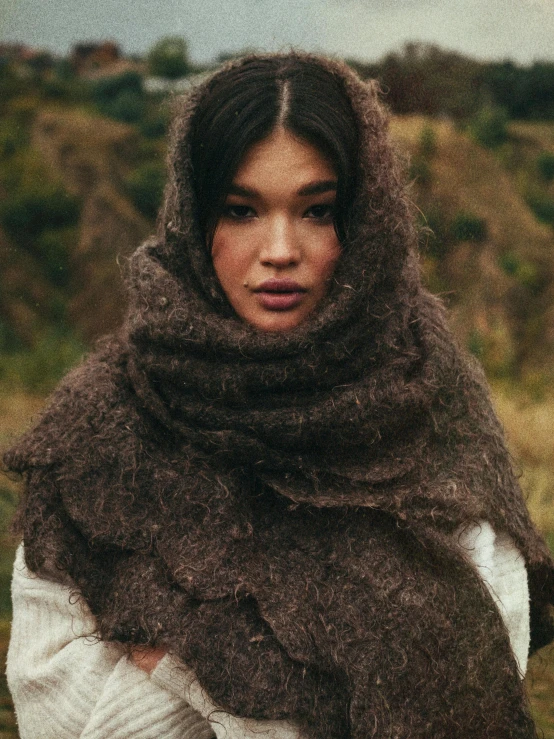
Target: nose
281,247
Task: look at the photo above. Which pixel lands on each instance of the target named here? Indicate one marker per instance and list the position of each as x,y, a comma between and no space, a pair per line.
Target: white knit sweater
66,683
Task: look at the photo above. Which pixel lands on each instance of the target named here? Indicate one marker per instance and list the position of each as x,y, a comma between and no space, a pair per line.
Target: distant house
10,52
98,60
93,56
26,59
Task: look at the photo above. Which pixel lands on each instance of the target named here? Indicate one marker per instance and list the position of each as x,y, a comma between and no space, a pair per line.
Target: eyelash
328,213
231,212
242,212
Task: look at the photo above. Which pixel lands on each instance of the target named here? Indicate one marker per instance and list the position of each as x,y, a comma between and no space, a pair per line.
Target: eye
321,212
238,212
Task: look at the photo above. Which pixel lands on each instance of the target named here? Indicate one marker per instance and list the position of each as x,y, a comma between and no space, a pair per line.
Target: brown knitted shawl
279,509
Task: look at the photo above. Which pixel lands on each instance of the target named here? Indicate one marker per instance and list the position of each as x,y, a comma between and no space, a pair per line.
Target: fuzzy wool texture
278,509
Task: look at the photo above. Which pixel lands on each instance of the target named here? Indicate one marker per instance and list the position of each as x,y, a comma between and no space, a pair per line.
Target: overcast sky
522,30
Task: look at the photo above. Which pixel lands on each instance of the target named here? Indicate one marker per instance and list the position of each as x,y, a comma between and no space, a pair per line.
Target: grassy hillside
94,158
487,254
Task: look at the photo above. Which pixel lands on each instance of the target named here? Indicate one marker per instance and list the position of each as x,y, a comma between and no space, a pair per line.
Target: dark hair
245,104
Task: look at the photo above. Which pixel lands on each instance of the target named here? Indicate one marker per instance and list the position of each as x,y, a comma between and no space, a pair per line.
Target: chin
276,321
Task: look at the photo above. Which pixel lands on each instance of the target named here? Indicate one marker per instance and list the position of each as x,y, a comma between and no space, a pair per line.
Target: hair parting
246,104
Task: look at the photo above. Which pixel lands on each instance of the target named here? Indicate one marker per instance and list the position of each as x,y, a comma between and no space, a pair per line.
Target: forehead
282,161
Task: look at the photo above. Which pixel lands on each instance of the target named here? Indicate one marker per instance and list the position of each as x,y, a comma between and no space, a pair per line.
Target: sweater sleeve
66,683
179,679
502,568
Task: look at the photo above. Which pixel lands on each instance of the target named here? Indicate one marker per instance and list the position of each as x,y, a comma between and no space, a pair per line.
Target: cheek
326,258
229,260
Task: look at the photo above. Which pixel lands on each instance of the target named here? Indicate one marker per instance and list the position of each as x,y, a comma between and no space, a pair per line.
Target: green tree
169,58
545,166
120,97
145,187
542,206
423,78
468,227
30,212
489,127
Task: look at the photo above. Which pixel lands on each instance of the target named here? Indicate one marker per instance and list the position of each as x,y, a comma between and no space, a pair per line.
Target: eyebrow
316,188
312,188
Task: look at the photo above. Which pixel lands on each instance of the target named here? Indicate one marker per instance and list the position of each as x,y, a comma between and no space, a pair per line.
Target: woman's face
275,247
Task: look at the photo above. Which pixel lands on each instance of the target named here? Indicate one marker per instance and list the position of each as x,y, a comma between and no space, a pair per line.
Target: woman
281,489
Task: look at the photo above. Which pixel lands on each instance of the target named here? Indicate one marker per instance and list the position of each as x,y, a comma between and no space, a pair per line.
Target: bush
12,138
154,126
509,263
28,213
40,368
10,84
8,503
121,97
127,107
108,88
428,141
9,340
435,226
420,171
468,227
545,166
489,127
523,270
145,186
542,206
476,344
69,90
53,248
23,109
169,58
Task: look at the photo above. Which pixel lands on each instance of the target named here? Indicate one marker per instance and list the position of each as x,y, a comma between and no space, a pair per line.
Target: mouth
280,294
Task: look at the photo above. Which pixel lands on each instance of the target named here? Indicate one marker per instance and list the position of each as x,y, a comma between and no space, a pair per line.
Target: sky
521,30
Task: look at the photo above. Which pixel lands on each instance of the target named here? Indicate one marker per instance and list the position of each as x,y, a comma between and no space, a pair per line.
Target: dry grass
467,177
540,688
500,290
84,149
92,156
17,411
541,134
406,129
529,427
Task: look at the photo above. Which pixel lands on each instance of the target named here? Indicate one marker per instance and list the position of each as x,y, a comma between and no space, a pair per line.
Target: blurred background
84,92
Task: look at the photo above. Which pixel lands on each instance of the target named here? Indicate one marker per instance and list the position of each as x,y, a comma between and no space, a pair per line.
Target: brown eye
322,211
238,212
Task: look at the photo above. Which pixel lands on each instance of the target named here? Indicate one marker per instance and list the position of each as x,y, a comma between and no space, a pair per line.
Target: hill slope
497,276
92,157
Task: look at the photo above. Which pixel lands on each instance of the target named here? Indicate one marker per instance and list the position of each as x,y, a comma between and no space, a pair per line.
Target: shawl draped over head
279,509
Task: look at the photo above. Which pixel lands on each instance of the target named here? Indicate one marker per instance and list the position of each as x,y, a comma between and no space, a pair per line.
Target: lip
280,294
